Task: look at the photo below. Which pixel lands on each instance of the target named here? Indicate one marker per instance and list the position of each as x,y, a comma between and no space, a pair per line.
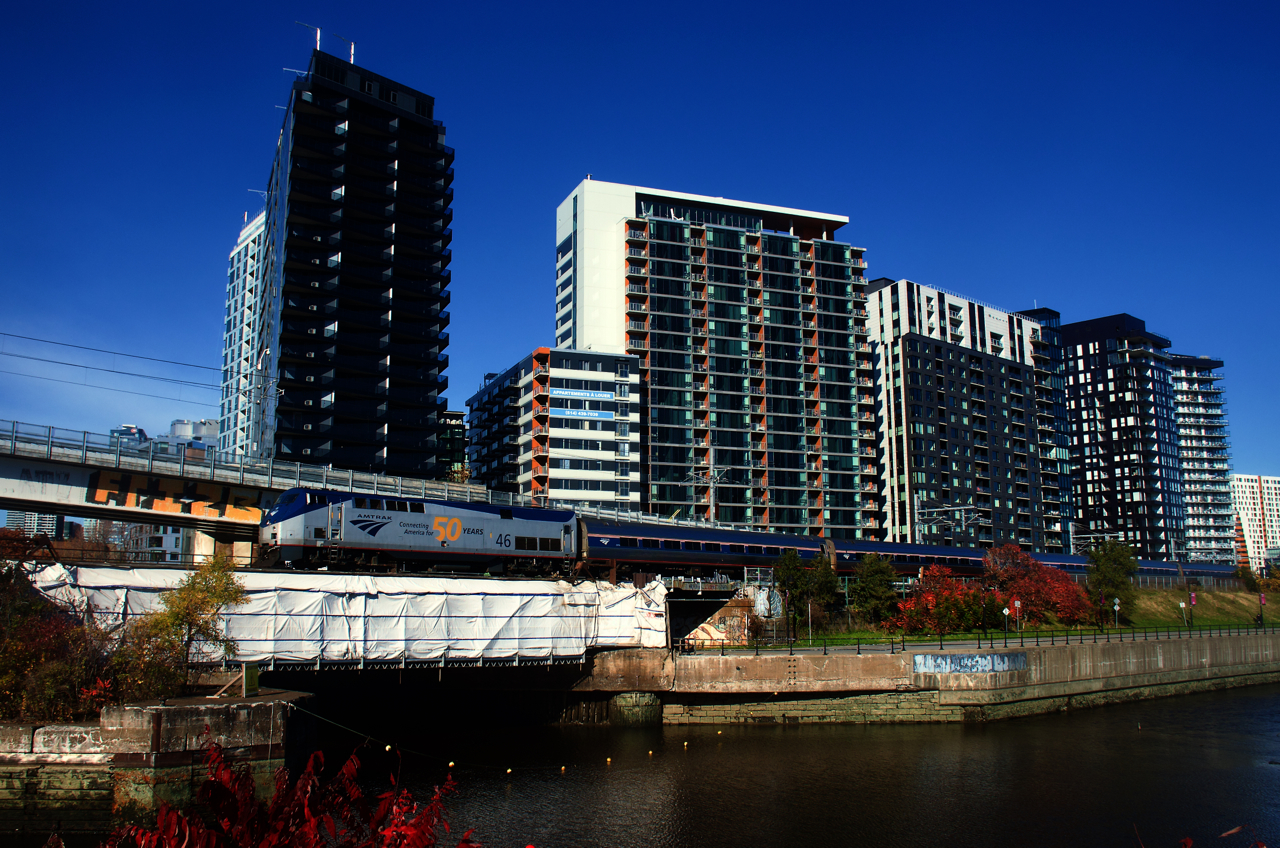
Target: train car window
670,545
546,544
526,543
755,549
772,552
628,542
359,503
692,546
319,532
506,514
737,549
418,507
649,543
711,547
402,506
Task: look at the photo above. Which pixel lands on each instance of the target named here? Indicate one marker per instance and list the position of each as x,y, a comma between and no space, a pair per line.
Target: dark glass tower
1125,463
358,215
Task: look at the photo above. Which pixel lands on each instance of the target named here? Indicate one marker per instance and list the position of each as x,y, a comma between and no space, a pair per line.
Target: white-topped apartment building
1256,500
748,322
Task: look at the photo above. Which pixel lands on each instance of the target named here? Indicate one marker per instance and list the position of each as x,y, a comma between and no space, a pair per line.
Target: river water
1192,766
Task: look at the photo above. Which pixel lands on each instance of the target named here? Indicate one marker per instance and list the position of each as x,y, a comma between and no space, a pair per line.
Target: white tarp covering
305,617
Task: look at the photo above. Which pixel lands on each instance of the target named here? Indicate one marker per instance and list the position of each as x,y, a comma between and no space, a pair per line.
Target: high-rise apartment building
244,342
967,430
1256,501
1051,396
749,325
560,426
34,523
1204,454
1126,466
356,273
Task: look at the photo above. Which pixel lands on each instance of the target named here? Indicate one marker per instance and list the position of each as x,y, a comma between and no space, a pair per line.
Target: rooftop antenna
353,46
316,28
295,71
258,191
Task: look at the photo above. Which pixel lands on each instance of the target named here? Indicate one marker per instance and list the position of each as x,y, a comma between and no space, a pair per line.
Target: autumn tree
1110,566
157,649
872,594
1041,588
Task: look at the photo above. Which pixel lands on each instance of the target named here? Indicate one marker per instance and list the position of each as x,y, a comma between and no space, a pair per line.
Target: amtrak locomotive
310,528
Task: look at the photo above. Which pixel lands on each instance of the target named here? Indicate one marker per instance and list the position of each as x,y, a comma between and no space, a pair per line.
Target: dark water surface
1199,766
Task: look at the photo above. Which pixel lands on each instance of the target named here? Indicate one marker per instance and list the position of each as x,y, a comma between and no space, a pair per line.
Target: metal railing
103,451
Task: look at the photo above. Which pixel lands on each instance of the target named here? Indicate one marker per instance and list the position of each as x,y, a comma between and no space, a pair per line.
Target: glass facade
1201,414
752,346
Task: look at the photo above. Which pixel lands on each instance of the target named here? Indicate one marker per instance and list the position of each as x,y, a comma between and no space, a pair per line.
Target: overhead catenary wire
175,380
109,388
112,352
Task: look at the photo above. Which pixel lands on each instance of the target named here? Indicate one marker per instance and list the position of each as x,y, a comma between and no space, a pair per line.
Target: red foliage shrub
1041,588
308,814
943,604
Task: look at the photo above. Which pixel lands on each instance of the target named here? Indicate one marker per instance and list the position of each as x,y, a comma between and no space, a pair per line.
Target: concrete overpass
72,472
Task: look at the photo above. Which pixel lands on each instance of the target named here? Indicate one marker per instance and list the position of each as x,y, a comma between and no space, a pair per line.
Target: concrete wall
962,685
81,777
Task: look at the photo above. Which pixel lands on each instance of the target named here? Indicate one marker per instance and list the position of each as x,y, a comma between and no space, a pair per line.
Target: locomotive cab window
692,546
670,545
526,543
359,503
319,532
549,544
375,503
506,514
316,500
418,507
626,542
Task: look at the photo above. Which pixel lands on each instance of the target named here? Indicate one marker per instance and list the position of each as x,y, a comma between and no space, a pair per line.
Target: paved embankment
959,684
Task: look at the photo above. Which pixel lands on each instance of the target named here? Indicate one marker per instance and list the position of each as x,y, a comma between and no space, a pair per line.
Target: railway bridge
222,496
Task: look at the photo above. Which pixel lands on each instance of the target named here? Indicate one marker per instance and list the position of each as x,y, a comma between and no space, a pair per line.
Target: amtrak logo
370,525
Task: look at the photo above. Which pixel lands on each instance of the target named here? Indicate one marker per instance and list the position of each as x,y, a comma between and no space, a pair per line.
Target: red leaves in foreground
308,814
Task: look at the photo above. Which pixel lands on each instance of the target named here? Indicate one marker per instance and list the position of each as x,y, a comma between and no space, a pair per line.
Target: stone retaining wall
882,707
80,777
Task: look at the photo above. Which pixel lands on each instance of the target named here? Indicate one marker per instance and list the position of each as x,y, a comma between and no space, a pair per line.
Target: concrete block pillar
635,709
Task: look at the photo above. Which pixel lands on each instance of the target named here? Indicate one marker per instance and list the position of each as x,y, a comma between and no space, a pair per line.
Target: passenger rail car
308,528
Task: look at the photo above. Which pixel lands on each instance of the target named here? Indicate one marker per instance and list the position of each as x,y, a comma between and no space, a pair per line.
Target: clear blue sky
1096,158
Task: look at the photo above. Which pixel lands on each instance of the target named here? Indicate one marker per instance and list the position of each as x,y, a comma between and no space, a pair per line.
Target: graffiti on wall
199,499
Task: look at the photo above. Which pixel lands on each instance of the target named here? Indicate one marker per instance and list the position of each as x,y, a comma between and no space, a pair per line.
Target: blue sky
1096,158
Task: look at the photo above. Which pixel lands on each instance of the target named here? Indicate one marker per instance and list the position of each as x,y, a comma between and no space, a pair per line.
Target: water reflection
1198,766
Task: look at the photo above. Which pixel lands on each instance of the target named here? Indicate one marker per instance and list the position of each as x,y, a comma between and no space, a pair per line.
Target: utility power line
112,352
107,388
175,380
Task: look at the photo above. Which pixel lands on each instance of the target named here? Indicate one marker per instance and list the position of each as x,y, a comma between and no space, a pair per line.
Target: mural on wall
199,499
